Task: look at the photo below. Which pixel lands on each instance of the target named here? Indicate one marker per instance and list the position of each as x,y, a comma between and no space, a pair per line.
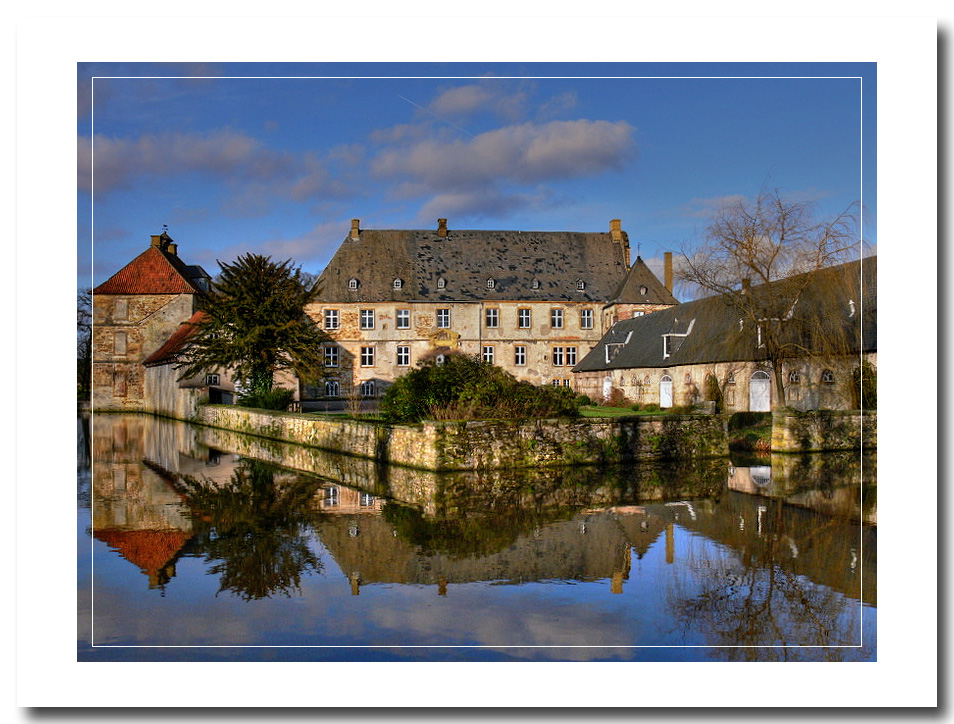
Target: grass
600,411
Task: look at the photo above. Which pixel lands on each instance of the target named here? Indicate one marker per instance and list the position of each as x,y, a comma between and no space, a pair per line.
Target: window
119,343
441,282
566,383
332,389
331,496
121,310
331,356
793,377
828,377
331,319
212,380
688,379
367,356
443,319
558,356
571,356
398,283
367,388
535,284
638,314
667,346
367,319
580,285
556,318
556,383
520,355
352,284
492,318
403,356
491,283
731,380
488,355
367,500
643,290
586,319
523,318
403,319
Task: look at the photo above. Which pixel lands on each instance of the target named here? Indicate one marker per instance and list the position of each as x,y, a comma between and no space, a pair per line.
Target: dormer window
491,283
851,308
580,285
644,290
441,282
352,284
398,283
535,284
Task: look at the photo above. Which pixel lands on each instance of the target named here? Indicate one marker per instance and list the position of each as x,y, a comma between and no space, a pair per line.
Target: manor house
531,302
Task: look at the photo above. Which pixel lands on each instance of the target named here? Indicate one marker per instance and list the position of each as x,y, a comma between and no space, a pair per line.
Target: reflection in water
746,561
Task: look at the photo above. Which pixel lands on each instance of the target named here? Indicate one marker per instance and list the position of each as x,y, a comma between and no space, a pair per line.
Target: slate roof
641,278
155,271
712,327
170,350
466,260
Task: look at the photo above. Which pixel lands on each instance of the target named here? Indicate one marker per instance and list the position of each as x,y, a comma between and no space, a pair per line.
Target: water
195,545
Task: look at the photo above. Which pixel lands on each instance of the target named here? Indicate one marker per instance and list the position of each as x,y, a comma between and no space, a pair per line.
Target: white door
607,387
665,391
760,399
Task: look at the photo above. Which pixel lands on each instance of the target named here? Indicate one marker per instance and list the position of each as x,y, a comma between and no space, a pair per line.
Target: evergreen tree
255,324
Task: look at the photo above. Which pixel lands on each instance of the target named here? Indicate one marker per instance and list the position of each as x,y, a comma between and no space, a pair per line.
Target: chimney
355,232
156,240
442,228
746,285
171,248
668,258
616,233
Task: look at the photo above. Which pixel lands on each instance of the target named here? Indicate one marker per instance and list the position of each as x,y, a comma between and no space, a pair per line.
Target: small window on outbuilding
828,377
211,380
793,377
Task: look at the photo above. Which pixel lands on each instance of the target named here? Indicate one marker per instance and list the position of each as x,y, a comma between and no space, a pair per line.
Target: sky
277,158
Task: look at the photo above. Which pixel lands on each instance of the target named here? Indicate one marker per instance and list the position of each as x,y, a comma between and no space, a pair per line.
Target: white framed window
367,319
571,356
403,317
488,354
667,346
212,380
352,283
558,356
580,285
367,500
535,284
367,356
491,283
331,496
523,318
443,319
556,318
403,356
643,290
492,318
331,319
638,314
557,383
520,355
441,282
566,383
398,283
332,388
586,319
331,356
367,388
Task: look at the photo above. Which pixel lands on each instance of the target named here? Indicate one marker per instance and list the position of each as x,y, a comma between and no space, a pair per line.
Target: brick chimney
616,233
442,228
355,232
668,272
171,248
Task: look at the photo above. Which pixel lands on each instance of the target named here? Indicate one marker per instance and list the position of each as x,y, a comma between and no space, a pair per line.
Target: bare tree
762,256
84,342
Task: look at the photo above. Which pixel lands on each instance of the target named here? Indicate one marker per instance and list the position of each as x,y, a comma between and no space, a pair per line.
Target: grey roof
643,287
467,259
710,329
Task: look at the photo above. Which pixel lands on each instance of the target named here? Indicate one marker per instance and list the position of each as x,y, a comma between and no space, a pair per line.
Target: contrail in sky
453,125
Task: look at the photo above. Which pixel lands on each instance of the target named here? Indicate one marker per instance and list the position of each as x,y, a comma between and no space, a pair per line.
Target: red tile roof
150,550
170,350
155,271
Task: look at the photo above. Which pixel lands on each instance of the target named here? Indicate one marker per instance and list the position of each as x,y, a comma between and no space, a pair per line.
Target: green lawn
598,411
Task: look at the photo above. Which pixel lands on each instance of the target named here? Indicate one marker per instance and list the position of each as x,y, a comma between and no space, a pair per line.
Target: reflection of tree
257,530
754,605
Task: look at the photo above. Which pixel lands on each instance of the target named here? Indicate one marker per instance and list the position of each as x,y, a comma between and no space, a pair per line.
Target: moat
196,545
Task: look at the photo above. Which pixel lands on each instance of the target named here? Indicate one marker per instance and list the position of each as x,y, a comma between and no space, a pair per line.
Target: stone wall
487,445
822,430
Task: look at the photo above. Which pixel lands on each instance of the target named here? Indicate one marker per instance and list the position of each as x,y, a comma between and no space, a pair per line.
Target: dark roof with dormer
156,271
711,330
641,286
557,262
169,352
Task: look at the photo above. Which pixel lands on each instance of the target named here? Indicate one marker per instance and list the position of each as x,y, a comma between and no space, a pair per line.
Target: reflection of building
530,302
678,356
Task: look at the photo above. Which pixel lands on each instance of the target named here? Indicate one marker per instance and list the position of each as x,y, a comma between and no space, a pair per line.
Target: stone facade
533,303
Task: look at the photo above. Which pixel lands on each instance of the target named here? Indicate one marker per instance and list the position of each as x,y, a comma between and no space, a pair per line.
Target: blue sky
277,158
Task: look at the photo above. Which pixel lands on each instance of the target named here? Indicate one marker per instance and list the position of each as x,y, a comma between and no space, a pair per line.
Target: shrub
651,407
616,398
636,407
277,398
464,388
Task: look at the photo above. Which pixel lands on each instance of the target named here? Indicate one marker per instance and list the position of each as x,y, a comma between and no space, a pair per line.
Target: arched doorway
665,391
760,396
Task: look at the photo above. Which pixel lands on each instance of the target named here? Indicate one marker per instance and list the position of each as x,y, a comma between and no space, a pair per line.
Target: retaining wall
823,430
487,444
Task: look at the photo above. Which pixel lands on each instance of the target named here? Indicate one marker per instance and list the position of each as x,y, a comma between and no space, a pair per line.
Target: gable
155,271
